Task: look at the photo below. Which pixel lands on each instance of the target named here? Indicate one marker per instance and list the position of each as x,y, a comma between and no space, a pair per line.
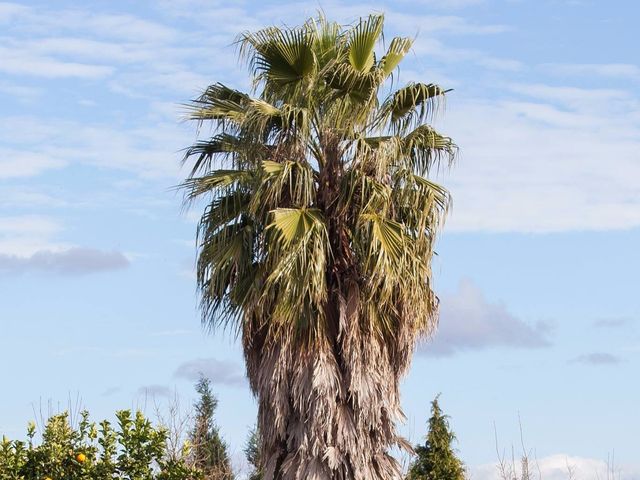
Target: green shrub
134,450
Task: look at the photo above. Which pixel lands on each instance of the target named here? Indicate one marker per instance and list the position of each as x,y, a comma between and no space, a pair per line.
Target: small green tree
252,453
209,450
437,460
134,449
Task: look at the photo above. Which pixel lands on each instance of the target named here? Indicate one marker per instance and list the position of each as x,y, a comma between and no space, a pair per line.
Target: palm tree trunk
328,412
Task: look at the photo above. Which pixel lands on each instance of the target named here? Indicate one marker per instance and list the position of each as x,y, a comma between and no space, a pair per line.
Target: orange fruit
81,457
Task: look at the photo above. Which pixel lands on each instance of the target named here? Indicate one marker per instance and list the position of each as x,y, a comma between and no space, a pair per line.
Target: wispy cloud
18,91
155,391
612,70
111,391
597,358
34,145
8,11
73,261
613,323
28,245
15,164
444,24
468,322
17,61
23,235
218,371
434,48
545,164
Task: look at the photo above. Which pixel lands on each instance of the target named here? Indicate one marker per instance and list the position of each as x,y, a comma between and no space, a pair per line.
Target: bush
134,450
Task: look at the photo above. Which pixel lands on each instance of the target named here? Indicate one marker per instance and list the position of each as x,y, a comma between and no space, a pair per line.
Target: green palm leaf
416,101
362,41
214,181
424,147
295,224
281,56
398,48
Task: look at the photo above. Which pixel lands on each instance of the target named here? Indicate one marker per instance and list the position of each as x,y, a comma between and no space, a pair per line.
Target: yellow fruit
81,457
47,478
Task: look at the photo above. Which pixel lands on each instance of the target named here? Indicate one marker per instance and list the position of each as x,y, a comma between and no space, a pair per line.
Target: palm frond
224,209
294,224
396,52
362,41
214,181
415,102
297,253
290,181
425,147
221,144
328,39
219,102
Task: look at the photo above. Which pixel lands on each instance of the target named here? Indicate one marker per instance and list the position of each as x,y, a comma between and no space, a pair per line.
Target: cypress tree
209,450
252,453
436,459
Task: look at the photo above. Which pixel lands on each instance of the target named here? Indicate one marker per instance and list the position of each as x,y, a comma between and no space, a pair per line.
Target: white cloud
26,234
469,322
19,61
90,45
597,358
546,166
429,47
26,164
106,25
563,467
218,371
443,24
613,323
28,244
29,197
35,145
111,391
578,99
72,261
540,158
613,70
8,11
155,391
18,91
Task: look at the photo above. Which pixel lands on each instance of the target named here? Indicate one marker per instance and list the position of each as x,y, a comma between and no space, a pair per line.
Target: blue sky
537,269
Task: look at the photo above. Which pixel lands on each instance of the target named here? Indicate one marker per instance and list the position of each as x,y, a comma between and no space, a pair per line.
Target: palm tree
316,241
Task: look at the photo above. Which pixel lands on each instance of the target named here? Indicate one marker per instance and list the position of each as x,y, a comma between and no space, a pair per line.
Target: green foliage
252,453
436,460
135,450
316,179
209,452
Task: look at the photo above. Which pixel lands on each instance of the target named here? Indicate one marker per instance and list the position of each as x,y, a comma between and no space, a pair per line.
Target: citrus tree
132,450
316,240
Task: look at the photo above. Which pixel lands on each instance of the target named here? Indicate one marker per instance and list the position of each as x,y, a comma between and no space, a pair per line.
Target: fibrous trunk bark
329,412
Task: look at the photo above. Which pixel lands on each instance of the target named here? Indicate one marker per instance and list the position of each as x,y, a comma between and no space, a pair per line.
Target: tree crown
318,199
